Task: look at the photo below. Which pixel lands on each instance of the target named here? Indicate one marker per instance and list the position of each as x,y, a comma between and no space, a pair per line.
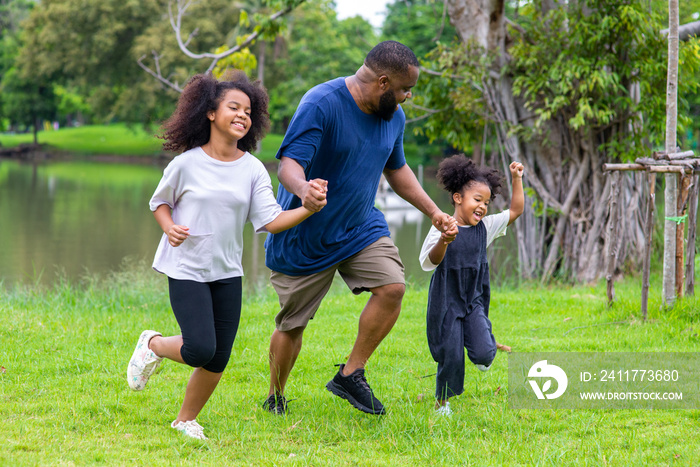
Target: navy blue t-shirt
332,139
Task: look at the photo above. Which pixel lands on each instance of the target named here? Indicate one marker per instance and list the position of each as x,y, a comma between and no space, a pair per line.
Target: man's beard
387,106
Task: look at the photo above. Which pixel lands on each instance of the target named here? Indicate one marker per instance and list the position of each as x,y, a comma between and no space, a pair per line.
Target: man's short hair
390,58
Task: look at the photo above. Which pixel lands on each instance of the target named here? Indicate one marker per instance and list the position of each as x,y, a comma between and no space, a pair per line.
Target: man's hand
449,235
443,222
313,195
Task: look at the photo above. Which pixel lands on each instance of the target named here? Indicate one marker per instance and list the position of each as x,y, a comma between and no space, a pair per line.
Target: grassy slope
116,139
120,140
64,400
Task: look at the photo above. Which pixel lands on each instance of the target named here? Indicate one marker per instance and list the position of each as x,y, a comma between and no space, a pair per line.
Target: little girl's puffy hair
457,173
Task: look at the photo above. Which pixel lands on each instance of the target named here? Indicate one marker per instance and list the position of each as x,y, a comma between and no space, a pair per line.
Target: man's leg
379,270
377,319
284,350
300,297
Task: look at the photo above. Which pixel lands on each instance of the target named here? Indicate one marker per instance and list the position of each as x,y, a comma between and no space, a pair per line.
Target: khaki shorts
300,296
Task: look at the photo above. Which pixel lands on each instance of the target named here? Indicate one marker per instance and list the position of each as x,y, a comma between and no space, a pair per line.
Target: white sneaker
483,367
143,362
444,410
190,428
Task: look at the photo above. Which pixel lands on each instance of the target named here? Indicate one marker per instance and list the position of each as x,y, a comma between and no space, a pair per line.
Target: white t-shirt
495,224
214,199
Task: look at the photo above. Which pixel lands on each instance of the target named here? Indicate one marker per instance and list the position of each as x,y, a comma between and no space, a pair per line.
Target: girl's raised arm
517,201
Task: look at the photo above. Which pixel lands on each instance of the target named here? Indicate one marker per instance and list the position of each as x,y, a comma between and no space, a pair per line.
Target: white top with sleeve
214,199
495,224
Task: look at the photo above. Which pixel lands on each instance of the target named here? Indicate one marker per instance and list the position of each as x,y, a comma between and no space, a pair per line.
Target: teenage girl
459,294
205,197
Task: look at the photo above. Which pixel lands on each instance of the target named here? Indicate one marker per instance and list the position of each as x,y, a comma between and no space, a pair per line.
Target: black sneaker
355,389
276,404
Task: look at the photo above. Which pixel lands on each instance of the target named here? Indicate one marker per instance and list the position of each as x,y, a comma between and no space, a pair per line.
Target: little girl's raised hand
516,169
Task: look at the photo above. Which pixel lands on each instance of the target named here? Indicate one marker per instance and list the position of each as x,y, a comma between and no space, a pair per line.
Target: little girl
205,197
458,300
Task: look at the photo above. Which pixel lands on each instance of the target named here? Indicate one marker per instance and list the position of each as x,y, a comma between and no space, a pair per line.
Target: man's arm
405,184
292,177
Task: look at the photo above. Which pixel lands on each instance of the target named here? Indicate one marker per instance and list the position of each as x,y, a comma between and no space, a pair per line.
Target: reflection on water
73,218
76,218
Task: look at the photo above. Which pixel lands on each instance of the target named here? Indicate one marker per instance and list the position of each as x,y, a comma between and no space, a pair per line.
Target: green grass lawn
64,399
120,140
115,139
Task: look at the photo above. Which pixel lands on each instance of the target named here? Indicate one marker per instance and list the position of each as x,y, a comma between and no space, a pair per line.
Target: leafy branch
264,27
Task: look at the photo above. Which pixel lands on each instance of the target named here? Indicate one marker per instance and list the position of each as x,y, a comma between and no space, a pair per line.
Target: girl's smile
472,204
232,118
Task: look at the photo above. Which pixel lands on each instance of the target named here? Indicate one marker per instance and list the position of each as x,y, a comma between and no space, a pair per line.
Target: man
347,131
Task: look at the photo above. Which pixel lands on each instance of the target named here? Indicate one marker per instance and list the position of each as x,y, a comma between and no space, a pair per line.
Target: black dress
458,310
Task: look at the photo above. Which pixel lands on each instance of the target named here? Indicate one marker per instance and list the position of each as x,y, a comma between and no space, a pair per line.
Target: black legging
208,314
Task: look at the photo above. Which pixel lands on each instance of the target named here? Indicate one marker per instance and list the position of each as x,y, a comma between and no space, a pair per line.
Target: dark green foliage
451,98
318,47
578,69
583,70
420,24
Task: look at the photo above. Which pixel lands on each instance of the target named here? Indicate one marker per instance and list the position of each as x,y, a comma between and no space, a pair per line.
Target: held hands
516,169
177,234
450,234
314,195
447,225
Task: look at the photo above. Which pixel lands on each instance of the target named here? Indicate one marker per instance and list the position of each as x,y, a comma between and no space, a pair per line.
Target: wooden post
649,227
683,185
611,233
692,227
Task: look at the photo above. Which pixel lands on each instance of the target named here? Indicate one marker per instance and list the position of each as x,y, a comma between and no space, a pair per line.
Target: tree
671,190
564,87
420,24
29,101
88,47
12,13
316,47
94,49
235,49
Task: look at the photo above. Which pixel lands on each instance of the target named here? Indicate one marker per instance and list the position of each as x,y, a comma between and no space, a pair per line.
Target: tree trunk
671,190
569,234
36,131
649,229
262,45
692,227
683,188
612,233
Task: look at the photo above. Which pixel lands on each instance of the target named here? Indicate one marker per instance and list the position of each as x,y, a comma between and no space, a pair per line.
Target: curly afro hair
457,173
189,126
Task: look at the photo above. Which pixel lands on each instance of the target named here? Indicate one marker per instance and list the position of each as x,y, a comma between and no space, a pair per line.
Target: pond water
71,219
